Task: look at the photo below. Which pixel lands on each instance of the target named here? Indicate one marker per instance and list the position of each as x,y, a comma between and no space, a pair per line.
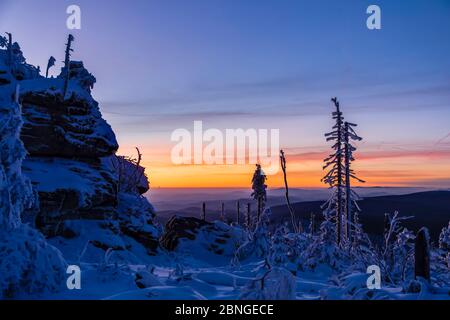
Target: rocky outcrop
181,227
58,127
28,264
72,165
197,237
70,148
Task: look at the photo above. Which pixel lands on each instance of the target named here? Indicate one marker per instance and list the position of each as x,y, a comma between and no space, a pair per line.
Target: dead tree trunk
204,211
238,207
339,208
348,197
10,55
259,209
422,254
222,212
313,224
295,227
248,218
67,63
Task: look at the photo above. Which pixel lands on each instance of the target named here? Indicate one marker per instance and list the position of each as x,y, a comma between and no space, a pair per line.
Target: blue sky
269,64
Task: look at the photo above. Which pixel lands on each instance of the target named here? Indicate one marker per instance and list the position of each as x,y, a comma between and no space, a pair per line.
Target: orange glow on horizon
377,168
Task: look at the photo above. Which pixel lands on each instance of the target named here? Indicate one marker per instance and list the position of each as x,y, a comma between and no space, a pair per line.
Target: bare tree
204,211
70,39
131,175
238,207
259,189
295,227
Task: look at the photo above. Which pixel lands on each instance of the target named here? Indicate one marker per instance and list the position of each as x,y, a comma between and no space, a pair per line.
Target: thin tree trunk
10,56
67,63
291,210
259,209
339,208
249,222
204,211
238,213
313,223
348,198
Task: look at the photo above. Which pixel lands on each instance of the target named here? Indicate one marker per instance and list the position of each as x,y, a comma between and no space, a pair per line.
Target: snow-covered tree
324,249
279,248
350,195
403,250
259,189
444,238
258,242
335,177
444,245
340,174
3,42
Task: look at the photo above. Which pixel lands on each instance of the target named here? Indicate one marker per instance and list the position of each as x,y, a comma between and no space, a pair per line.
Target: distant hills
430,209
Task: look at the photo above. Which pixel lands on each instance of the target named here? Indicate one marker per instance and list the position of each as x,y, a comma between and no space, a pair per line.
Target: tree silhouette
296,227
259,189
70,39
350,195
51,63
336,174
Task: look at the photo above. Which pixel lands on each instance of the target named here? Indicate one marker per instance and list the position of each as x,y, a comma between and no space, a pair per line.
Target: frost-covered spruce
444,238
324,249
258,243
279,249
259,189
335,177
403,250
28,265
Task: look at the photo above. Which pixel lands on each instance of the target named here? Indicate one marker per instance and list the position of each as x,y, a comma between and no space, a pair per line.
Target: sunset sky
259,64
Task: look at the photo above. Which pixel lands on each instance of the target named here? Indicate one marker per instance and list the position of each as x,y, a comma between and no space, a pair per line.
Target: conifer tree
350,196
259,189
335,177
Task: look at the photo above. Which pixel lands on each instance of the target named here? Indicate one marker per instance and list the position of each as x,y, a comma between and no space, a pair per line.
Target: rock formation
72,165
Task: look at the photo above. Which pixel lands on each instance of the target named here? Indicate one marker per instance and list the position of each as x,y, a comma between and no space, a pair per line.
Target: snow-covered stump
422,255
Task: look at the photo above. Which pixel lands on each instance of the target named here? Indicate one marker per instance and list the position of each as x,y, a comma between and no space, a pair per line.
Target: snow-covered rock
201,239
28,265
58,127
276,284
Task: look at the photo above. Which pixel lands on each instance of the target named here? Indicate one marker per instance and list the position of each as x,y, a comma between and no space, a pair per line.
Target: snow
28,264
245,263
